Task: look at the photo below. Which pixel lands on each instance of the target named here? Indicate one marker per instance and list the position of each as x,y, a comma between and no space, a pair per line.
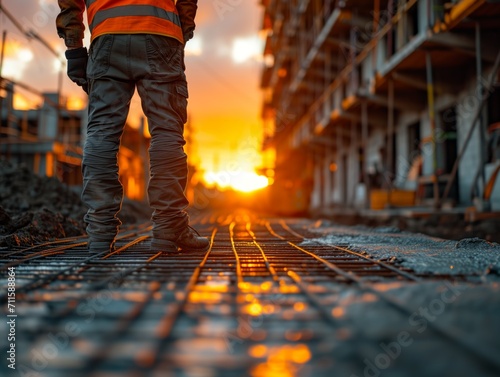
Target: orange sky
223,70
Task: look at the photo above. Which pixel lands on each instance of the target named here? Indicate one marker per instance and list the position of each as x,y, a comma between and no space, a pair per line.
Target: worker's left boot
96,247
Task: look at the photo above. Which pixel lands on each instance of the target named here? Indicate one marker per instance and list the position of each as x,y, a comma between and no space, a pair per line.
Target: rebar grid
255,293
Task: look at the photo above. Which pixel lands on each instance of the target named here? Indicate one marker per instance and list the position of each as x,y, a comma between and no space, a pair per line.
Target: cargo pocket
182,95
99,56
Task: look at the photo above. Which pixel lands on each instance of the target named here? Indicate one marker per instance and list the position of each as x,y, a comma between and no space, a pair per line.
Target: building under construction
380,104
49,138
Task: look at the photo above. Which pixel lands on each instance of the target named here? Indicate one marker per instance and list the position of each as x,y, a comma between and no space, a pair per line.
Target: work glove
77,66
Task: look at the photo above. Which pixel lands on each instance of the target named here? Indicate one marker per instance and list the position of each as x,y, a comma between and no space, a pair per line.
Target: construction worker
134,43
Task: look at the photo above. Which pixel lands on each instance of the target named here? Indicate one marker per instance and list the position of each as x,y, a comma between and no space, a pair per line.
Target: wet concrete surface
266,300
421,253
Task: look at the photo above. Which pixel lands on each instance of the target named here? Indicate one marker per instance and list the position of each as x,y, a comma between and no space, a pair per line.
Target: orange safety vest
134,17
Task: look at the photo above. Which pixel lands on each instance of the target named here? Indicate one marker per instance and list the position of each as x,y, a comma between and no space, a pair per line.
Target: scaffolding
345,77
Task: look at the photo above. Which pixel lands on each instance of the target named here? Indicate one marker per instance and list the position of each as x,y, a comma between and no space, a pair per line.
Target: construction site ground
271,297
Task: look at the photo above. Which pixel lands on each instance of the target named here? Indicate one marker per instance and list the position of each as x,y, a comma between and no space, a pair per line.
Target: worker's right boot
187,240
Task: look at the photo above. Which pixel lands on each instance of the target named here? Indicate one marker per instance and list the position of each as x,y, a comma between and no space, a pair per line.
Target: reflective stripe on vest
143,16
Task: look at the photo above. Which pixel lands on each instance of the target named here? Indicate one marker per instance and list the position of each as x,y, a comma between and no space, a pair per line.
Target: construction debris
34,209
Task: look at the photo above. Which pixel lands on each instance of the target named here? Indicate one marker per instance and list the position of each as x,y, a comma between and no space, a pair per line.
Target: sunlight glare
22,103
194,47
75,103
245,49
16,60
239,180
25,55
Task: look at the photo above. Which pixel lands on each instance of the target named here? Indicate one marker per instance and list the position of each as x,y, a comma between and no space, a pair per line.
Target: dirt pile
34,209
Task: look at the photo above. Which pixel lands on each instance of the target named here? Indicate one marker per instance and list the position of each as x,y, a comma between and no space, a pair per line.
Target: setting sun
236,180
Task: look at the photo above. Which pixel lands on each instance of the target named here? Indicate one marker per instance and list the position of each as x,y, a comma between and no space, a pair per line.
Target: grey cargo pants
117,65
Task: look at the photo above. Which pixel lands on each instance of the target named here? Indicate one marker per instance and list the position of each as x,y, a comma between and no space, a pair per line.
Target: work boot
96,247
187,239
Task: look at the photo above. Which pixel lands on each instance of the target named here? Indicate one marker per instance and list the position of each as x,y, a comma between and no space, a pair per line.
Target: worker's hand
77,66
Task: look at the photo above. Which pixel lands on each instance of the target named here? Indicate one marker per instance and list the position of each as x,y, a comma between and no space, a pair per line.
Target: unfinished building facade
373,104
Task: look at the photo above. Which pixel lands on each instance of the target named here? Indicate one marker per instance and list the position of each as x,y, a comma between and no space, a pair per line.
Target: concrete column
327,179
316,192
